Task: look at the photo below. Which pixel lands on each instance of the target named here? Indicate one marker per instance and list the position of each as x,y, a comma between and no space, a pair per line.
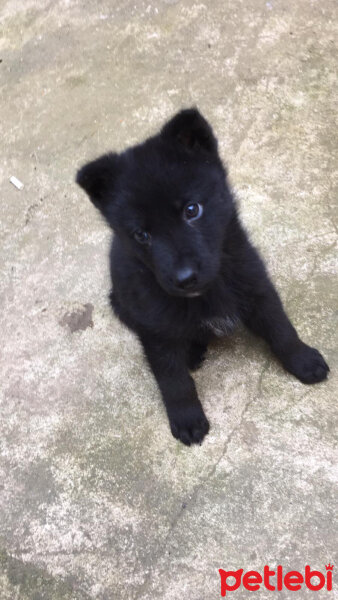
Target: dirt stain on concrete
78,319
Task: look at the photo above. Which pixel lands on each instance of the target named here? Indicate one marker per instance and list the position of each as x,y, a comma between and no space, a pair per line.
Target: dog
182,266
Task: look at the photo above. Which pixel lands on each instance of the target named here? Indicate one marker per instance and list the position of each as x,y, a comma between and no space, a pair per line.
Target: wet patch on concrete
78,319
29,582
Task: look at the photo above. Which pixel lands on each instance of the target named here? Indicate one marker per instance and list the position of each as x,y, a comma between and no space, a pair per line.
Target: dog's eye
193,211
142,237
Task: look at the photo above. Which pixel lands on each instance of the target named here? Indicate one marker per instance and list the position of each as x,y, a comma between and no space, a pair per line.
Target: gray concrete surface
97,500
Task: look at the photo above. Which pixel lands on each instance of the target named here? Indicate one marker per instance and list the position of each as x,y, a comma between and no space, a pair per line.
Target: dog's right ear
98,179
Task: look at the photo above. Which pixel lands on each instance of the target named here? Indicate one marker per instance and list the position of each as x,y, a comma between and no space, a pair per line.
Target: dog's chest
219,326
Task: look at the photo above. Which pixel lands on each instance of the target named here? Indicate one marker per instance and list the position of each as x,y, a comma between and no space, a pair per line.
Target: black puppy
182,267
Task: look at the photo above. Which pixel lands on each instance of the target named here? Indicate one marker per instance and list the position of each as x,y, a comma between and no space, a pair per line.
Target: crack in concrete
320,254
308,239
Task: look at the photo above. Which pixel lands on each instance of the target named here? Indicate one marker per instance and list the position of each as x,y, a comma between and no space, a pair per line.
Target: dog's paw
189,425
196,355
307,364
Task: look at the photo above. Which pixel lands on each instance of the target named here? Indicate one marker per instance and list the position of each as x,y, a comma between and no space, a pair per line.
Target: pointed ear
98,179
191,130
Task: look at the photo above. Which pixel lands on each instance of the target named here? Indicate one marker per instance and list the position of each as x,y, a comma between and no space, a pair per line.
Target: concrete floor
97,500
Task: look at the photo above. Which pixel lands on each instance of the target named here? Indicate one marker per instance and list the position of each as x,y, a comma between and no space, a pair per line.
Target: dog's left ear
191,130
98,179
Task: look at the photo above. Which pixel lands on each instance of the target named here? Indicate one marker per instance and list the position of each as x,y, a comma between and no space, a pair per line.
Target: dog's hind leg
266,317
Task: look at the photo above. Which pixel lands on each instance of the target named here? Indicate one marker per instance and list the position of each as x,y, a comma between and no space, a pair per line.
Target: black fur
186,279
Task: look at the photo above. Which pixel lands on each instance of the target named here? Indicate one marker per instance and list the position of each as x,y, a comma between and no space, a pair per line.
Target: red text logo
276,579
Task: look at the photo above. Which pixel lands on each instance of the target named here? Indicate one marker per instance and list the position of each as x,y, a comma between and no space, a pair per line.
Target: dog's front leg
168,361
266,317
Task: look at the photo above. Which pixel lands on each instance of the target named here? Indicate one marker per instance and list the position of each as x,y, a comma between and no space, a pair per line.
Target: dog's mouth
193,294
192,291
186,293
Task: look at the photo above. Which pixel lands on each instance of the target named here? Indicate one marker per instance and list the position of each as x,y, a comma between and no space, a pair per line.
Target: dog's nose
186,278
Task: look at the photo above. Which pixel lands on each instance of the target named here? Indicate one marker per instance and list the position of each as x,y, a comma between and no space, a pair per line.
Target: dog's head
168,202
